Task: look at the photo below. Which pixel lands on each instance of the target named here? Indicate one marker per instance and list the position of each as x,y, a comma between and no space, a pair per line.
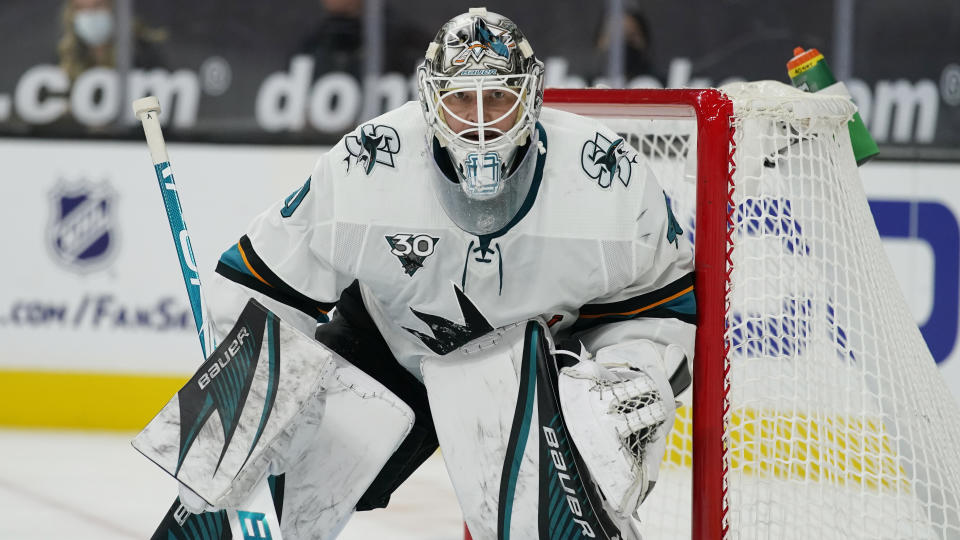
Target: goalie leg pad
271,400
363,424
505,443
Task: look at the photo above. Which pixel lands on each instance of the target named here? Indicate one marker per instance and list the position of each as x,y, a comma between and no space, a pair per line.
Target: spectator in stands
88,38
337,44
636,36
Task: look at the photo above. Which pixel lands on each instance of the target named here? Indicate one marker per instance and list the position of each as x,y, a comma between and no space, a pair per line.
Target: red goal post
712,111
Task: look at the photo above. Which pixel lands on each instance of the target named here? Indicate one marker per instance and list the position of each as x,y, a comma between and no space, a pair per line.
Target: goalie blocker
513,453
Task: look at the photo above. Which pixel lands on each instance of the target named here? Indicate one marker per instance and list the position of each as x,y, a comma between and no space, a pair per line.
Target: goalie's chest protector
432,287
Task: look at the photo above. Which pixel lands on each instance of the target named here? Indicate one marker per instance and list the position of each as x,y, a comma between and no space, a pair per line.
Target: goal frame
713,112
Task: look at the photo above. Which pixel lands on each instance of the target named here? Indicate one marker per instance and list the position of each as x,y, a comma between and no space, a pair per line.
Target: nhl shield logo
81,232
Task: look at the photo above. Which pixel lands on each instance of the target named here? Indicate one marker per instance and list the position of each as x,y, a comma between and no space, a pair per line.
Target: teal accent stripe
234,260
683,308
268,399
237,371
201,419
567,530
194,532
555,500
686,304
524,432
558,506
230,390
219,395
230,394
681,305
647,305
191,279
219,519
203,524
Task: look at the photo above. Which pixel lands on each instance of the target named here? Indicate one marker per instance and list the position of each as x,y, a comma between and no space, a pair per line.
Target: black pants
353,335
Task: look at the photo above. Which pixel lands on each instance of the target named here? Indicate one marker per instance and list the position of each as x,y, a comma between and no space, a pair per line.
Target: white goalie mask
481,88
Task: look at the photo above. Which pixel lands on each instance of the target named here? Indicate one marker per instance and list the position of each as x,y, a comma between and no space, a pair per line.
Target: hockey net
817,410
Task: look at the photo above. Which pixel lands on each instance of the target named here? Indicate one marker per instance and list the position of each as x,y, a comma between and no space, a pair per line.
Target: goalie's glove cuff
619,410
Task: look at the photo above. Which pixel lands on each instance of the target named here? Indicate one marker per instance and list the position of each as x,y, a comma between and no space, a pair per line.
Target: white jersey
594,249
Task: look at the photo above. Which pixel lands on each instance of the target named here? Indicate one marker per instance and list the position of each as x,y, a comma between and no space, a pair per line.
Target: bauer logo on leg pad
236,359
569,506
229,423
514,466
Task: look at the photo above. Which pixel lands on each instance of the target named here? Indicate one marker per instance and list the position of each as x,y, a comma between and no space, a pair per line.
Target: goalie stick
178,523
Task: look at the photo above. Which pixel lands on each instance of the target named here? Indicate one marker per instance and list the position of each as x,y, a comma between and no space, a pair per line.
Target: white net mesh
839,425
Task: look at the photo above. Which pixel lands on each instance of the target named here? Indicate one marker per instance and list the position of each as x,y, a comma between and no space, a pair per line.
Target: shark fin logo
484,40
223,381
292,202
604,160
371,145
673,226
448,335
81,231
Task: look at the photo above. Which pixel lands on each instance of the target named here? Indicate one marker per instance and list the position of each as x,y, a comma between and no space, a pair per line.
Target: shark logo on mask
371,145
484,40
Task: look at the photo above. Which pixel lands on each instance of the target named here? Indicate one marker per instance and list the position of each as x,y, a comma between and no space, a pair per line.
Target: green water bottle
809,72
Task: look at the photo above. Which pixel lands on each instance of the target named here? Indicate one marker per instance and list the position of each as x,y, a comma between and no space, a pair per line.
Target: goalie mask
481,89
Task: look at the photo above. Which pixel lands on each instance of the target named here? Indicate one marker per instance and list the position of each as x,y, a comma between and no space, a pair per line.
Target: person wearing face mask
88,38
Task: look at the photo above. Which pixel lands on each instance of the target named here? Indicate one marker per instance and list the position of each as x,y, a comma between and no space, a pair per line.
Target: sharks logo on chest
603,160
448,335
372,144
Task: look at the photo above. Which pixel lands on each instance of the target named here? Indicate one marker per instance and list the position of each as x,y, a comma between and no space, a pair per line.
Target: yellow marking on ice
106,401
834,449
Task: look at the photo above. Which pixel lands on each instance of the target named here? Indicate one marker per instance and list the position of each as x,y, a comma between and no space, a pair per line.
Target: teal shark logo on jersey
608,160
603,160
673,226
372,144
